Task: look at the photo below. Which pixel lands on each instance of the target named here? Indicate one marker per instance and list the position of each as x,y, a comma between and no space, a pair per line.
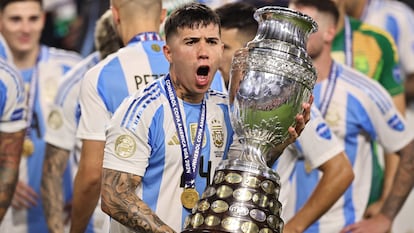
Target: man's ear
115,15
167,52
329,35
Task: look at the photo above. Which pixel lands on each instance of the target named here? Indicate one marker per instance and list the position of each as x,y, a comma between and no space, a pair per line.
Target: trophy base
243,198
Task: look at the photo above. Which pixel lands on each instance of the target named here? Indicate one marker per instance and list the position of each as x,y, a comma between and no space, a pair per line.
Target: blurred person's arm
10,154
54,166
391,165
87,185
391,161
337,175
401,188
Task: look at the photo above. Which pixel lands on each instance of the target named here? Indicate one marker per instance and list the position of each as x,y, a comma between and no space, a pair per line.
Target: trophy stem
255,152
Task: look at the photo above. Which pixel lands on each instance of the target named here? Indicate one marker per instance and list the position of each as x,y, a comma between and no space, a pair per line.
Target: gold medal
28,147
189,198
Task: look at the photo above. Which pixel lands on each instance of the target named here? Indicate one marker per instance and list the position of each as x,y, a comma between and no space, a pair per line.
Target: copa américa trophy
270,79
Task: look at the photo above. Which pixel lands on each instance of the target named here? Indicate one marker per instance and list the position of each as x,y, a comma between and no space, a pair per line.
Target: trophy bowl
270,79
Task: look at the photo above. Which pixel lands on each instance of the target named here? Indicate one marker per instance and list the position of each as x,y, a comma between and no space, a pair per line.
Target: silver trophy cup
270,79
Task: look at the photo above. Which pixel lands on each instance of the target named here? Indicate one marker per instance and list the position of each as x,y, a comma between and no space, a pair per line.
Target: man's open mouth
203,70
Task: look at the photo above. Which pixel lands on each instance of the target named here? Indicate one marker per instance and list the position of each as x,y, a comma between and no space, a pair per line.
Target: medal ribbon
31,99
190,160
327,96
144,36
348,43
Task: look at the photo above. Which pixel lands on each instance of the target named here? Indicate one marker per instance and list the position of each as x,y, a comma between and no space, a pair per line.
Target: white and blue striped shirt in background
106,85
360,112
12,99
62,123
41,83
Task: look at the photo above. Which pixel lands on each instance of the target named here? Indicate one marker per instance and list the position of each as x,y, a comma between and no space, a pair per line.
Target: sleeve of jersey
12,105
61,128
127,150
385,122
391,73
317,142
94,116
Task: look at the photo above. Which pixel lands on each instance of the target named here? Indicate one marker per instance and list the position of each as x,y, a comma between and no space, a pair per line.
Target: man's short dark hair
238,15
4,3
191,15
324,6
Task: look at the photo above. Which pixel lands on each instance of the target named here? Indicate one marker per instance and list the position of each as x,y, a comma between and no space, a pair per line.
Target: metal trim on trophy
270,79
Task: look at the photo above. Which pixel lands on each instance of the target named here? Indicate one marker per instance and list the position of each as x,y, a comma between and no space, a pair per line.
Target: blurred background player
372,51
358,110
62,145
42,68
12,131
106,85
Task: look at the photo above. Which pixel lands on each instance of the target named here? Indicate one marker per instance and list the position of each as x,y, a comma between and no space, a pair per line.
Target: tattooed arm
10,152
53,168
403,184
121,203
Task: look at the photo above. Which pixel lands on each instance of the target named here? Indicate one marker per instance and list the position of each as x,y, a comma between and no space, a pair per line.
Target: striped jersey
106,85
359,111
142,139
12,99
316,145
62,123
371,51
397,18
41,84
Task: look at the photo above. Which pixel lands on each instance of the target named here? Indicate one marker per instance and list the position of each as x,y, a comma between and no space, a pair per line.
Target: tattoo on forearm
122,204
403,183
10,153
51,189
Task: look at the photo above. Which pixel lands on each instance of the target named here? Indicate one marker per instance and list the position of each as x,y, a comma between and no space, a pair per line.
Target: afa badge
55,120
217,133
155,47
125,146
